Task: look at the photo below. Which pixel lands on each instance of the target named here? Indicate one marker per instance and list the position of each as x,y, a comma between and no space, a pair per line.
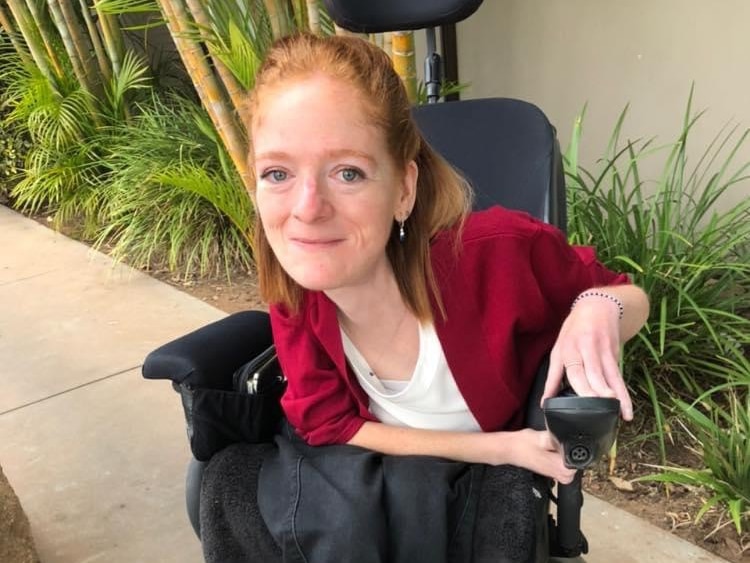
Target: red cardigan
506,294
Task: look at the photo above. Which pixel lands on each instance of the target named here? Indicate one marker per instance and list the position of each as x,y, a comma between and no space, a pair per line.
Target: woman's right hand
538,451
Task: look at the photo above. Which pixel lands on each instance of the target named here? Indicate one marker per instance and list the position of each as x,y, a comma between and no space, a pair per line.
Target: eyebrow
336,153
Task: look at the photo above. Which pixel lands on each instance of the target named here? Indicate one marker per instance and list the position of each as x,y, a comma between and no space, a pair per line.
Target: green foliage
13,148
173,199
678,243
62,171
240,33
239,36
66,168
138,170
130,84
11,154
115,7
719,429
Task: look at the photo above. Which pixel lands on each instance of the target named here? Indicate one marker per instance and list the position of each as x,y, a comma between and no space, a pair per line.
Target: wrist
501,448
598,294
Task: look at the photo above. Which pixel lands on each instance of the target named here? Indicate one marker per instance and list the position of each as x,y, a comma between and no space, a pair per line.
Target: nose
311,203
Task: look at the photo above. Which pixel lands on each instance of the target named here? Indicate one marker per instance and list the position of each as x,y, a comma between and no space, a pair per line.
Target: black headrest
374,16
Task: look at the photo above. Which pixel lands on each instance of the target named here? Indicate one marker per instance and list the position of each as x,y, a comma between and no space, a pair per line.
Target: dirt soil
16,544
673,508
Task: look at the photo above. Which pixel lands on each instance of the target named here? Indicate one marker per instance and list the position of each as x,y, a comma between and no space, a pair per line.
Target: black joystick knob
585,426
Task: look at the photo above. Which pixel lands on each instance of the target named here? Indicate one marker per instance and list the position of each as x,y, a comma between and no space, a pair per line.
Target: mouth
315,242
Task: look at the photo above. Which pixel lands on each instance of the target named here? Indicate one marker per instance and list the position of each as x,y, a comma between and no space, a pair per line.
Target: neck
370,304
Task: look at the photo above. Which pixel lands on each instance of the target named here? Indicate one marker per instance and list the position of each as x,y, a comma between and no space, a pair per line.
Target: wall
561,54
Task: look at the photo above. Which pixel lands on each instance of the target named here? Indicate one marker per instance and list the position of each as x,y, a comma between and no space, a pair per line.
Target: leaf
621,484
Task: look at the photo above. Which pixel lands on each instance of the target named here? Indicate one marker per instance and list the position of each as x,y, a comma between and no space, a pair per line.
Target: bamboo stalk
31,35
113,40
388,43
231,84
101,56
6,22
313,16
46,34
404,61
299,20
277,17
75,61
209,90
80,42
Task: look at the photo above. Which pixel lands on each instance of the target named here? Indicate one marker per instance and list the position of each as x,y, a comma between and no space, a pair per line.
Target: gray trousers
293,503
343,503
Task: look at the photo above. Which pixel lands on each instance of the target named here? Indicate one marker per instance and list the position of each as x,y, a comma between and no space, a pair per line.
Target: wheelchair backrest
506,148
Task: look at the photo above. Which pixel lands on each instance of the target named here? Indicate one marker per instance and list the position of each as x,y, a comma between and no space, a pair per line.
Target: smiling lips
316,243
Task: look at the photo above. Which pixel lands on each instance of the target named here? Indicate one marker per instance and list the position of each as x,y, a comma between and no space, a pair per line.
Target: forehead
317,106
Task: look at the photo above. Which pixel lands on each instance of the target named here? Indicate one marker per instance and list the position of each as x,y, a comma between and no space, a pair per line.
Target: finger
576,374
554,377
617,384
566,476
558,470
592,361
548,442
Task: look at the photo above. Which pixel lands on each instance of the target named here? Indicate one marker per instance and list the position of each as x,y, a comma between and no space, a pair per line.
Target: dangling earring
401,231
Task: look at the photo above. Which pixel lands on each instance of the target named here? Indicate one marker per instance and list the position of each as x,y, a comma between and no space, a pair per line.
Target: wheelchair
509,152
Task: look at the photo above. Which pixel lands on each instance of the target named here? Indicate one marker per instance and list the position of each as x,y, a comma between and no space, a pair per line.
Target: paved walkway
95,453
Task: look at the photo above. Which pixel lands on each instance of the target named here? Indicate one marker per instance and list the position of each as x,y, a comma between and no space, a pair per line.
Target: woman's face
327,189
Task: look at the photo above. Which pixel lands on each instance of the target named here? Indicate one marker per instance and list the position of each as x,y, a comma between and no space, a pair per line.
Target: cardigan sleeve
506,292
563,271
319,401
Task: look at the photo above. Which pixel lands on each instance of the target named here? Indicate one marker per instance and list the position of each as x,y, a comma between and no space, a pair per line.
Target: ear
408,193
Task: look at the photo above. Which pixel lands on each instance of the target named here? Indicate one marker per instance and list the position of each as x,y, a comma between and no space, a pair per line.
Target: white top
429,400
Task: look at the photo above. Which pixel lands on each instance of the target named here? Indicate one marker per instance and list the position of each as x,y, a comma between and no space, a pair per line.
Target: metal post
432,68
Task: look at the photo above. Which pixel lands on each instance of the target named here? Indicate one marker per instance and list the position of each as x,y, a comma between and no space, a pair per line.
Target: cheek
271,221
269,210
375,233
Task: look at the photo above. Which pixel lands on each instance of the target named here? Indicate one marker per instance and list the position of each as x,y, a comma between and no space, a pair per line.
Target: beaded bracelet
595,293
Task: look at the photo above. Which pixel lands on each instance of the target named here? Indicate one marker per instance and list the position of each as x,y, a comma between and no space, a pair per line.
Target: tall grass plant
718,426
173,199
677,241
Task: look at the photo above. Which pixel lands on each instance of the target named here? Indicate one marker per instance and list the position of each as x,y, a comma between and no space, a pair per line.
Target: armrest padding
208,357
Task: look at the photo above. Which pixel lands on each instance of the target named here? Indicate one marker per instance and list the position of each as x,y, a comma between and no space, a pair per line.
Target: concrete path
97,454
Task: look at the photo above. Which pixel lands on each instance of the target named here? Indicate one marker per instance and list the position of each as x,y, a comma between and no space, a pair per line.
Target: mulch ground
16,543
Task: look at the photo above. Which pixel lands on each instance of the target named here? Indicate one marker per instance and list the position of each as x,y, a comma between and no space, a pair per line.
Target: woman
407,325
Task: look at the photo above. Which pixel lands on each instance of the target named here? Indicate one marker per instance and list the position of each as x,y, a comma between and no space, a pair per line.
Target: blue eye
351,175
274,175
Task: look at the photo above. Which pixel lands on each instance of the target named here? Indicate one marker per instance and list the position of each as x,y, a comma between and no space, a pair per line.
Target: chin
317,282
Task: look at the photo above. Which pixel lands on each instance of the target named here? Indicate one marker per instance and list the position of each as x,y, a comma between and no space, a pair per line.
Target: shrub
173,198
690,256
13,149
718,424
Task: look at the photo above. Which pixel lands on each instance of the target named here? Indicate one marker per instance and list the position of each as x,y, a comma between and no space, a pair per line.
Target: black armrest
208,357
